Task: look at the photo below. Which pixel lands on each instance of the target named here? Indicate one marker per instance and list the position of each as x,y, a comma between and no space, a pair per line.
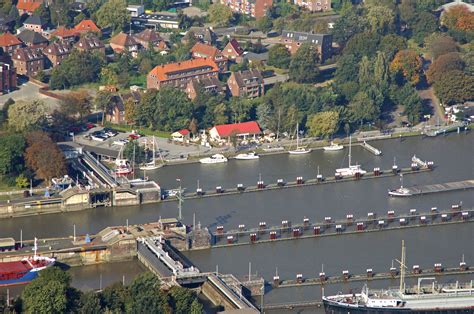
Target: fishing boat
351,170
214,159
247,156
333,147
152,165
299,150
25,270
421,299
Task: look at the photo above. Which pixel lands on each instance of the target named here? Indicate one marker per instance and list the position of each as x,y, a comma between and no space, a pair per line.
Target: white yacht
333,147
299,150
247,156
351,170
152,165
214,159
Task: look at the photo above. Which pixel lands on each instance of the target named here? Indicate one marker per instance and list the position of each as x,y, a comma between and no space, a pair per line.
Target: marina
432,188
371,149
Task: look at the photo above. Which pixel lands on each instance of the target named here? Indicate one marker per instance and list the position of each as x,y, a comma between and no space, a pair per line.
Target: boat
214,159
247,156
152,165
421,299
299,150
351,170
333,147
401,191
122,166
24,270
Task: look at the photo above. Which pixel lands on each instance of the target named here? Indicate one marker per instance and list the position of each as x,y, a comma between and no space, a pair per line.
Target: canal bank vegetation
52,292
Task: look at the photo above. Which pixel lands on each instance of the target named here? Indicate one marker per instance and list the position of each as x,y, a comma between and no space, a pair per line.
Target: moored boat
214,159
333,147
351,170
247,156
299,150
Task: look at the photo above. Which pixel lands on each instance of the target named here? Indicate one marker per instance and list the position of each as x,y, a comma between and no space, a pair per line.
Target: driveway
29,92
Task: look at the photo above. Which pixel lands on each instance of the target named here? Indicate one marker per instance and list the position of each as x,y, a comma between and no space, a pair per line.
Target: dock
438,188
370,148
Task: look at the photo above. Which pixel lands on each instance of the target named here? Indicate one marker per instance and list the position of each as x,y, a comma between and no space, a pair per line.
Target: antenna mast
402,268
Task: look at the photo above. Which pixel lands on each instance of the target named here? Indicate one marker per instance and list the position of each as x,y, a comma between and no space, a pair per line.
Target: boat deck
442,187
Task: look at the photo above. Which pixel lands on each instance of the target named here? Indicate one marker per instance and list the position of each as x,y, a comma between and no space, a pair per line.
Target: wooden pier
370,148
442,187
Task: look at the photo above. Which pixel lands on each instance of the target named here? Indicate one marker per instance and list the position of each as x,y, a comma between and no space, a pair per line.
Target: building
7,75
210,85
136,10
248,83
254,8
35,23
314,5
150,39
65,34
9,43
86,26
90,43
28,6
161,19
242,131
178,74
116,112
182,135
28,61
123,42
203,34
57,52
293,40
33,39
233,51
200,50
7,23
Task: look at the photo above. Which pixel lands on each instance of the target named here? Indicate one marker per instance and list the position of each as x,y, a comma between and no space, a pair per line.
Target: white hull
214,159
350,171
250,156
400,192
333,148
299,151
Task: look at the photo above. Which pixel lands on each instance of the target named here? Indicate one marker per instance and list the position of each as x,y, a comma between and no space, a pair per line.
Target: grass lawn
146,131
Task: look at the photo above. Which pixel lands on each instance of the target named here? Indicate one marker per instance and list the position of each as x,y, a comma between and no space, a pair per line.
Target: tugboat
433,298
25,270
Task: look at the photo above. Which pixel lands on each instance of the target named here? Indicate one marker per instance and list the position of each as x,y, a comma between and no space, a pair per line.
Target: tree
181,299
426,23
362,44
78,68
391,44
102,102
11,154
220,14
23,116
131,110
458,17
380,19
323,123
44,157
409,64
77,103
347,69
381,69
440,44
196,307
304,65
114,14
133,151
90,303
279,56
451,93
365,72
193,126
468,59
362,108
265,24
443,64
264,114
350,23
22,181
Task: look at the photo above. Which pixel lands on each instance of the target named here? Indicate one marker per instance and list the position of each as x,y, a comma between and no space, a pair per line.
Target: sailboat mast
297,135
402,269
350,150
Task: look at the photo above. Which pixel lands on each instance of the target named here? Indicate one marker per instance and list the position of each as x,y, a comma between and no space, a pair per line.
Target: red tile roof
123,40
161,71
235,45
8,40
183,132
28,6
87,26
64,32
204,50
225,130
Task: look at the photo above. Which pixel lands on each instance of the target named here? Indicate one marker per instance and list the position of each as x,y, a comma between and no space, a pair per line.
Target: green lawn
146,131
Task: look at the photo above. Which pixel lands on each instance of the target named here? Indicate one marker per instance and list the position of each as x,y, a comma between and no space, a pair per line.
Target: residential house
56,52
293,40
203,34
9,43
65,34
210,85
182,135
148,38
254,8
248,83
6,23
178,74
116,112
7,75
123,42
233,51
28,61
28,6
86,26
32,39
314,5
35,23
90,43
200,50
242,131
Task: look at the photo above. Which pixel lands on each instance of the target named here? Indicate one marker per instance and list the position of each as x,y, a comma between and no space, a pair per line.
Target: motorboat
214,159
247,156
333,147
299,150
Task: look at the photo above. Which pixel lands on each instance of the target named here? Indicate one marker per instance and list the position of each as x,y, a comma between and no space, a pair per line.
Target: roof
28,54
57,49
31,37
7,40
206,82
183,132
27,5
5,19
252,56
235,45
203,33
248,77
149,36
87,26
225,130
89,42
136,96
162,72
35,20
204,50
316,39
64,32
123,40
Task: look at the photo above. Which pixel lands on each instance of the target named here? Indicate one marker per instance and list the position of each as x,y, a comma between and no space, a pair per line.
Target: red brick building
57,52
209,85
28,6
254,8
9,43
65,34
247,84
90,43
200,50
178,74
123,42
7,75
233,51
28,61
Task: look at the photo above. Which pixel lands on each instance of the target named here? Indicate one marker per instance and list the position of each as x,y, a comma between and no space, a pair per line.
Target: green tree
279,56
133,151
22,181
196,307
114,14
304,65
363,108
78,68
362,44
351,22
347,69
450,93
440,44
115,297
102,101
391,44
220,14
380,19
265,24
365,72
181,299
264,114
381,70
23,116
76,104
323,123
11,154
90,303
425,24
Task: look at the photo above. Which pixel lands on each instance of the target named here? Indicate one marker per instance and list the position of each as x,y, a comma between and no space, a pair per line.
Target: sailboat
122,166
299,150
152,164
351,170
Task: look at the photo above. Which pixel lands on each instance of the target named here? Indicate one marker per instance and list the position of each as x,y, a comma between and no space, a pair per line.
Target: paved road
29,91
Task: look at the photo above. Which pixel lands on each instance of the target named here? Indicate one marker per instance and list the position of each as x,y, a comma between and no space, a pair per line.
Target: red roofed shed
241,130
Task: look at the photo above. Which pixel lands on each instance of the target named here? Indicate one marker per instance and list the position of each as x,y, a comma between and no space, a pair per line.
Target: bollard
240,187
360,226
273,235
219,189
438,268
230,239
280,182
370,273
345,274
317,230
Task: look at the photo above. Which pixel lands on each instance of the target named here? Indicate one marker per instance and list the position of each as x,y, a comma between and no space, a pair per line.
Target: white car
121,142
98,138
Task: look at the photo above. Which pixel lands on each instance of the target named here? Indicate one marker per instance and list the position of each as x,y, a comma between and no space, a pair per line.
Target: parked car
121,142
99,138
110,132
